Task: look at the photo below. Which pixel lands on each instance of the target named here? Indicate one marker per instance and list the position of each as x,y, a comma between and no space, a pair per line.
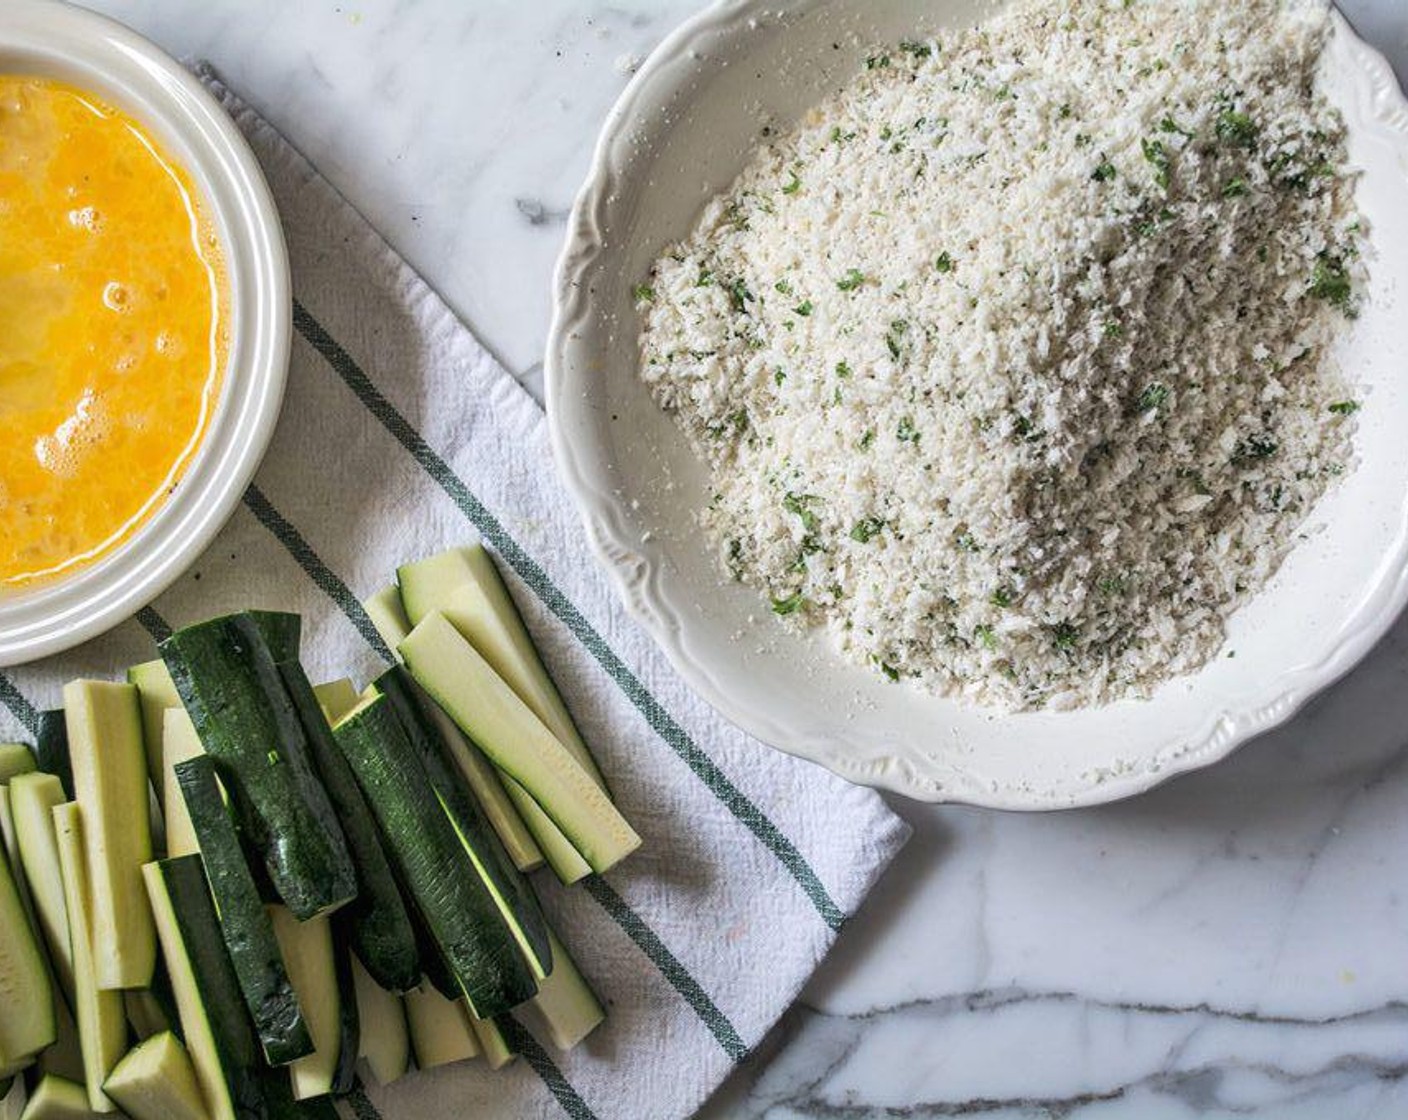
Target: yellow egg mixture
113,329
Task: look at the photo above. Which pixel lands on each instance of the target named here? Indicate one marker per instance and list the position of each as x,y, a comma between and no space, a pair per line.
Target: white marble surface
1233,944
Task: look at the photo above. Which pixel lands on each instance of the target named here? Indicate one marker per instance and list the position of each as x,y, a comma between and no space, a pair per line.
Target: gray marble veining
1232,944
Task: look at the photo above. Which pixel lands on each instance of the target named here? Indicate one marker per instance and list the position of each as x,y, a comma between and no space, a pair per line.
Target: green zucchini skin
376,921
348,1023
217,986
230,685
458,909
407,701
244,923
51,749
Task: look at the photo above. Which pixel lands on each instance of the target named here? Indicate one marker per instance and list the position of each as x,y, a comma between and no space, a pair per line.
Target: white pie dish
68,43
678,135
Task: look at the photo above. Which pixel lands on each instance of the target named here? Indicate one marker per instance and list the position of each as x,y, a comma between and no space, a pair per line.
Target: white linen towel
400,436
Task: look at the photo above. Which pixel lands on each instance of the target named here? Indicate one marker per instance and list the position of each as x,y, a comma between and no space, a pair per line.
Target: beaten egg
113,327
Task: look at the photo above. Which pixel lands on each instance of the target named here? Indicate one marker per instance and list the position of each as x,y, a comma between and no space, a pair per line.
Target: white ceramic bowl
679,134
55,40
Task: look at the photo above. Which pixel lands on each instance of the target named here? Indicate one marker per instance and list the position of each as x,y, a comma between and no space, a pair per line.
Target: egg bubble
116,297
86,217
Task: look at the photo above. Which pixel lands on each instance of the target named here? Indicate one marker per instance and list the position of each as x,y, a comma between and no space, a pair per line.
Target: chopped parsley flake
803,309
853,279
1153,396
1156,154
1104,173
1236,129
793,186
738,295
944,263
800,506
1002,597
1330,281
864,530
1345,408
790,605
843,369
907,432
643,293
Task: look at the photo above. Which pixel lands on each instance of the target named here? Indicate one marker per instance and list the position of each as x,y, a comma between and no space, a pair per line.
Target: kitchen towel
400,435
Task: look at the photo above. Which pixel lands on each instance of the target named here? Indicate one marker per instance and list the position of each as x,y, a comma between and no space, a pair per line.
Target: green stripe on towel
19,707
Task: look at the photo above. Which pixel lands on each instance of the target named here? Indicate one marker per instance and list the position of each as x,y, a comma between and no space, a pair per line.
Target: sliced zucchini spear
437,867
111,786
232,688
509,809
15,758
311,957
179,742
465,586
32,801
492,1043
157,694
156,1081
58,1098
102,1023
489,712
245,925
440,1029
509,888
214,1023
565,1009
381,1019
27,1019
376,920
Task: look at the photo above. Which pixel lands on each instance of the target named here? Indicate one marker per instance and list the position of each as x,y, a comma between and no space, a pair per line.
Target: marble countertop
1233,944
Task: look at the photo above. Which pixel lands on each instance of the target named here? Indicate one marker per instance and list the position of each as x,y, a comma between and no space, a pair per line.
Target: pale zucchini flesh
27,1017
179,743
102,1021
464,584
57,1098
10,845
491,714
388,615
440,1029
565,1010
385,1043
492,1043
156,1081
503,801
308,955
110,784
32,801
336,698
15,758
156,693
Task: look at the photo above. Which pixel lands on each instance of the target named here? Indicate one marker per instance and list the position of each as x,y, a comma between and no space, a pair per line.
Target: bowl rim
51,39
617,547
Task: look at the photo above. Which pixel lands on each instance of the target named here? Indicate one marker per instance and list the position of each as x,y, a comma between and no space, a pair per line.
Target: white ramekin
68,43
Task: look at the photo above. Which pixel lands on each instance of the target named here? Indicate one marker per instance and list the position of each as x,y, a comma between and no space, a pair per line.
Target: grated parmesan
1010,362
